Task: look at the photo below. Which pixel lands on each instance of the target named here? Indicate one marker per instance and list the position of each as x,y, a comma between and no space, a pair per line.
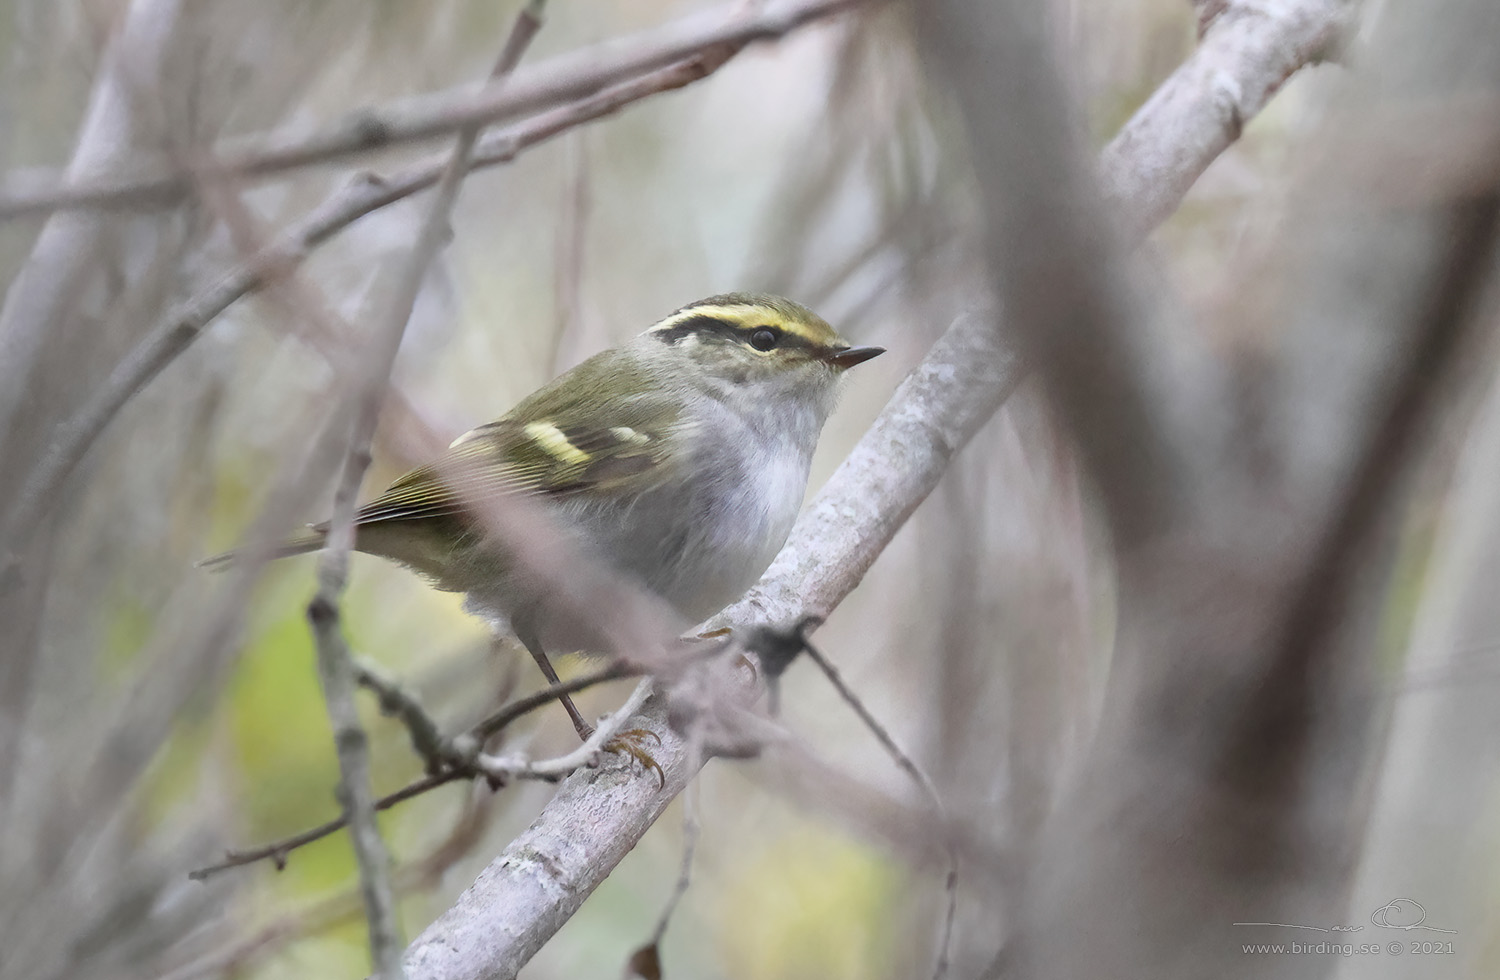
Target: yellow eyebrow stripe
747,316
730,314
556,445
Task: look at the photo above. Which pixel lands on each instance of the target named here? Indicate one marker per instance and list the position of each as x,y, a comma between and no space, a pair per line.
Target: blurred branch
40,306
1062,279
1227,769
335,663
547,85
543,876
1245,55
73,438
324,914
42,297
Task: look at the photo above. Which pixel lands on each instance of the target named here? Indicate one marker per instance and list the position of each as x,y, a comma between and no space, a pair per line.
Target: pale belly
702,546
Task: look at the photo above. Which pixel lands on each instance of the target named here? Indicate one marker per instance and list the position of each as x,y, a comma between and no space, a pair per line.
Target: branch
40,307
459,758
41,300
335,671
542,877
1061,279
395,701
1246,55
646,960
924,783
547,85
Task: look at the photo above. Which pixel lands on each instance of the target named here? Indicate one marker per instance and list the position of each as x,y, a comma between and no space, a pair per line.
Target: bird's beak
850,356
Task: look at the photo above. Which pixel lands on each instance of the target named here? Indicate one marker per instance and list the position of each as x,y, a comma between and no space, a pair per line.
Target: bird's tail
313,541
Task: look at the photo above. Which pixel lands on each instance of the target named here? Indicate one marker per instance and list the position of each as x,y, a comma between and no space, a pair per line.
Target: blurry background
822,167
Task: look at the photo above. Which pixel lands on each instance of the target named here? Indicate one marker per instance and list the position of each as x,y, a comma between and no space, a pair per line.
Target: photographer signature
1399,913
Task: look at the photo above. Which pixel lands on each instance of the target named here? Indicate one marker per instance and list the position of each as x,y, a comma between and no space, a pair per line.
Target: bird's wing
559,441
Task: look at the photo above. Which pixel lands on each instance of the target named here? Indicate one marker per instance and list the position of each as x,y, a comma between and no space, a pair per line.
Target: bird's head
757,347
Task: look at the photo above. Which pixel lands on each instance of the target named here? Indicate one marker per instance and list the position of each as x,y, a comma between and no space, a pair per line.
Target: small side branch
278,851
646,961
918,776
461,760
395,701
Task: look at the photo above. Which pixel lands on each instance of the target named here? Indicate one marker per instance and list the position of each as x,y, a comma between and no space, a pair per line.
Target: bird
678,459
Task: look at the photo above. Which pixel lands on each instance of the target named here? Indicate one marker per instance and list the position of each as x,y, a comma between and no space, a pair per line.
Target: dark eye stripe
705,325
698,325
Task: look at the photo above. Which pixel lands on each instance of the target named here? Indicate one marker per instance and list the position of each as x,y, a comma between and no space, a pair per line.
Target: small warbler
679,458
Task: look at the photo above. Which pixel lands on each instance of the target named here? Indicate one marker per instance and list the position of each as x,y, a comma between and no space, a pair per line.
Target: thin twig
324,914
547,85
335,671
646,961
501,769
918,776
395,701
461,765
277,851
491,725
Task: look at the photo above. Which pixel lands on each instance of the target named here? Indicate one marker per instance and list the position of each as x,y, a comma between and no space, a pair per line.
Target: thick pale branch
1247,53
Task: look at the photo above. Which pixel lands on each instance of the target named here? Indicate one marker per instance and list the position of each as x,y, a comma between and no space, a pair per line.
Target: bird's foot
632,742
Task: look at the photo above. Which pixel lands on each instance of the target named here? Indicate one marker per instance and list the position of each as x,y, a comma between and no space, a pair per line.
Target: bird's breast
747,514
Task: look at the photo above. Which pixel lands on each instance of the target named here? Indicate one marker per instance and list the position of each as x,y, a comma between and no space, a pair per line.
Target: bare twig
395,701
323,914
501,769
918,776
646,961
1245,56
461,762
278,851
553,82
493,724
354,794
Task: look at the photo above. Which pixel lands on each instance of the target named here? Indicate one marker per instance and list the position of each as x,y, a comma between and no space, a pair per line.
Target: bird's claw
631,742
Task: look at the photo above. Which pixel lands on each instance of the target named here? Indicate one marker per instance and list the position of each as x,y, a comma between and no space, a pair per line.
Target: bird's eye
765,338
